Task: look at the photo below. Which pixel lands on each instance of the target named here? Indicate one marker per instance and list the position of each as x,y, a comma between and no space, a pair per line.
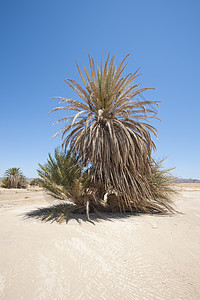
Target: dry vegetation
110,166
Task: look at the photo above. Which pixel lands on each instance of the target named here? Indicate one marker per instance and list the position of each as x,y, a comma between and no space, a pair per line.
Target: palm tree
110,132
14,178
63,177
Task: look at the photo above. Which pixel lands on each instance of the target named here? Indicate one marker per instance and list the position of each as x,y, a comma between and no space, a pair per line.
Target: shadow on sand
64,212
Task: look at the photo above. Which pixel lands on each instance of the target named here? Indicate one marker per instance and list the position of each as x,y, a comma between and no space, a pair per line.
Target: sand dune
132,257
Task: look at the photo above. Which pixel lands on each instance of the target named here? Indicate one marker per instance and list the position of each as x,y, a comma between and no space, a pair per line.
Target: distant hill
190,180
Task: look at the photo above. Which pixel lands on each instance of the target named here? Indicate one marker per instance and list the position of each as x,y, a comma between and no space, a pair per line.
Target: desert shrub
35,182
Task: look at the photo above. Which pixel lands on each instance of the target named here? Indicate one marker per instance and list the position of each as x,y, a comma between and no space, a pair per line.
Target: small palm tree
63,177
14,178
110,132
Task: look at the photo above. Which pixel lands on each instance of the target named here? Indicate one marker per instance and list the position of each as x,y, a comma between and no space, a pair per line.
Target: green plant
14,178
63,177
35,182
161,184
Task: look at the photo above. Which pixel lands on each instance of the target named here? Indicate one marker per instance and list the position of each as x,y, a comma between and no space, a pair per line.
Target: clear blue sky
41,39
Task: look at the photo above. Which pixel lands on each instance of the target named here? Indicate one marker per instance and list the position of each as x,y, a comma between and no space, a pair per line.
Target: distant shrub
36,182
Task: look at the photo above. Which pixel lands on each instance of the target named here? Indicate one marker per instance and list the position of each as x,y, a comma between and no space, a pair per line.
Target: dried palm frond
110,132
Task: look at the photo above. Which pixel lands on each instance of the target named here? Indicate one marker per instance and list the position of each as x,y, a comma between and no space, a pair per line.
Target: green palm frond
62,176
161,182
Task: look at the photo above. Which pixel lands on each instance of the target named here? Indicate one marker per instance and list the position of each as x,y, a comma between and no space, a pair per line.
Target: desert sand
123,257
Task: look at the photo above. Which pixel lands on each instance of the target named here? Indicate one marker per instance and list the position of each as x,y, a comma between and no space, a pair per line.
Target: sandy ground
133,257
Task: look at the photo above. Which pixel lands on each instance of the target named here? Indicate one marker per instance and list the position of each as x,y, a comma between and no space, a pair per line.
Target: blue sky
40,41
